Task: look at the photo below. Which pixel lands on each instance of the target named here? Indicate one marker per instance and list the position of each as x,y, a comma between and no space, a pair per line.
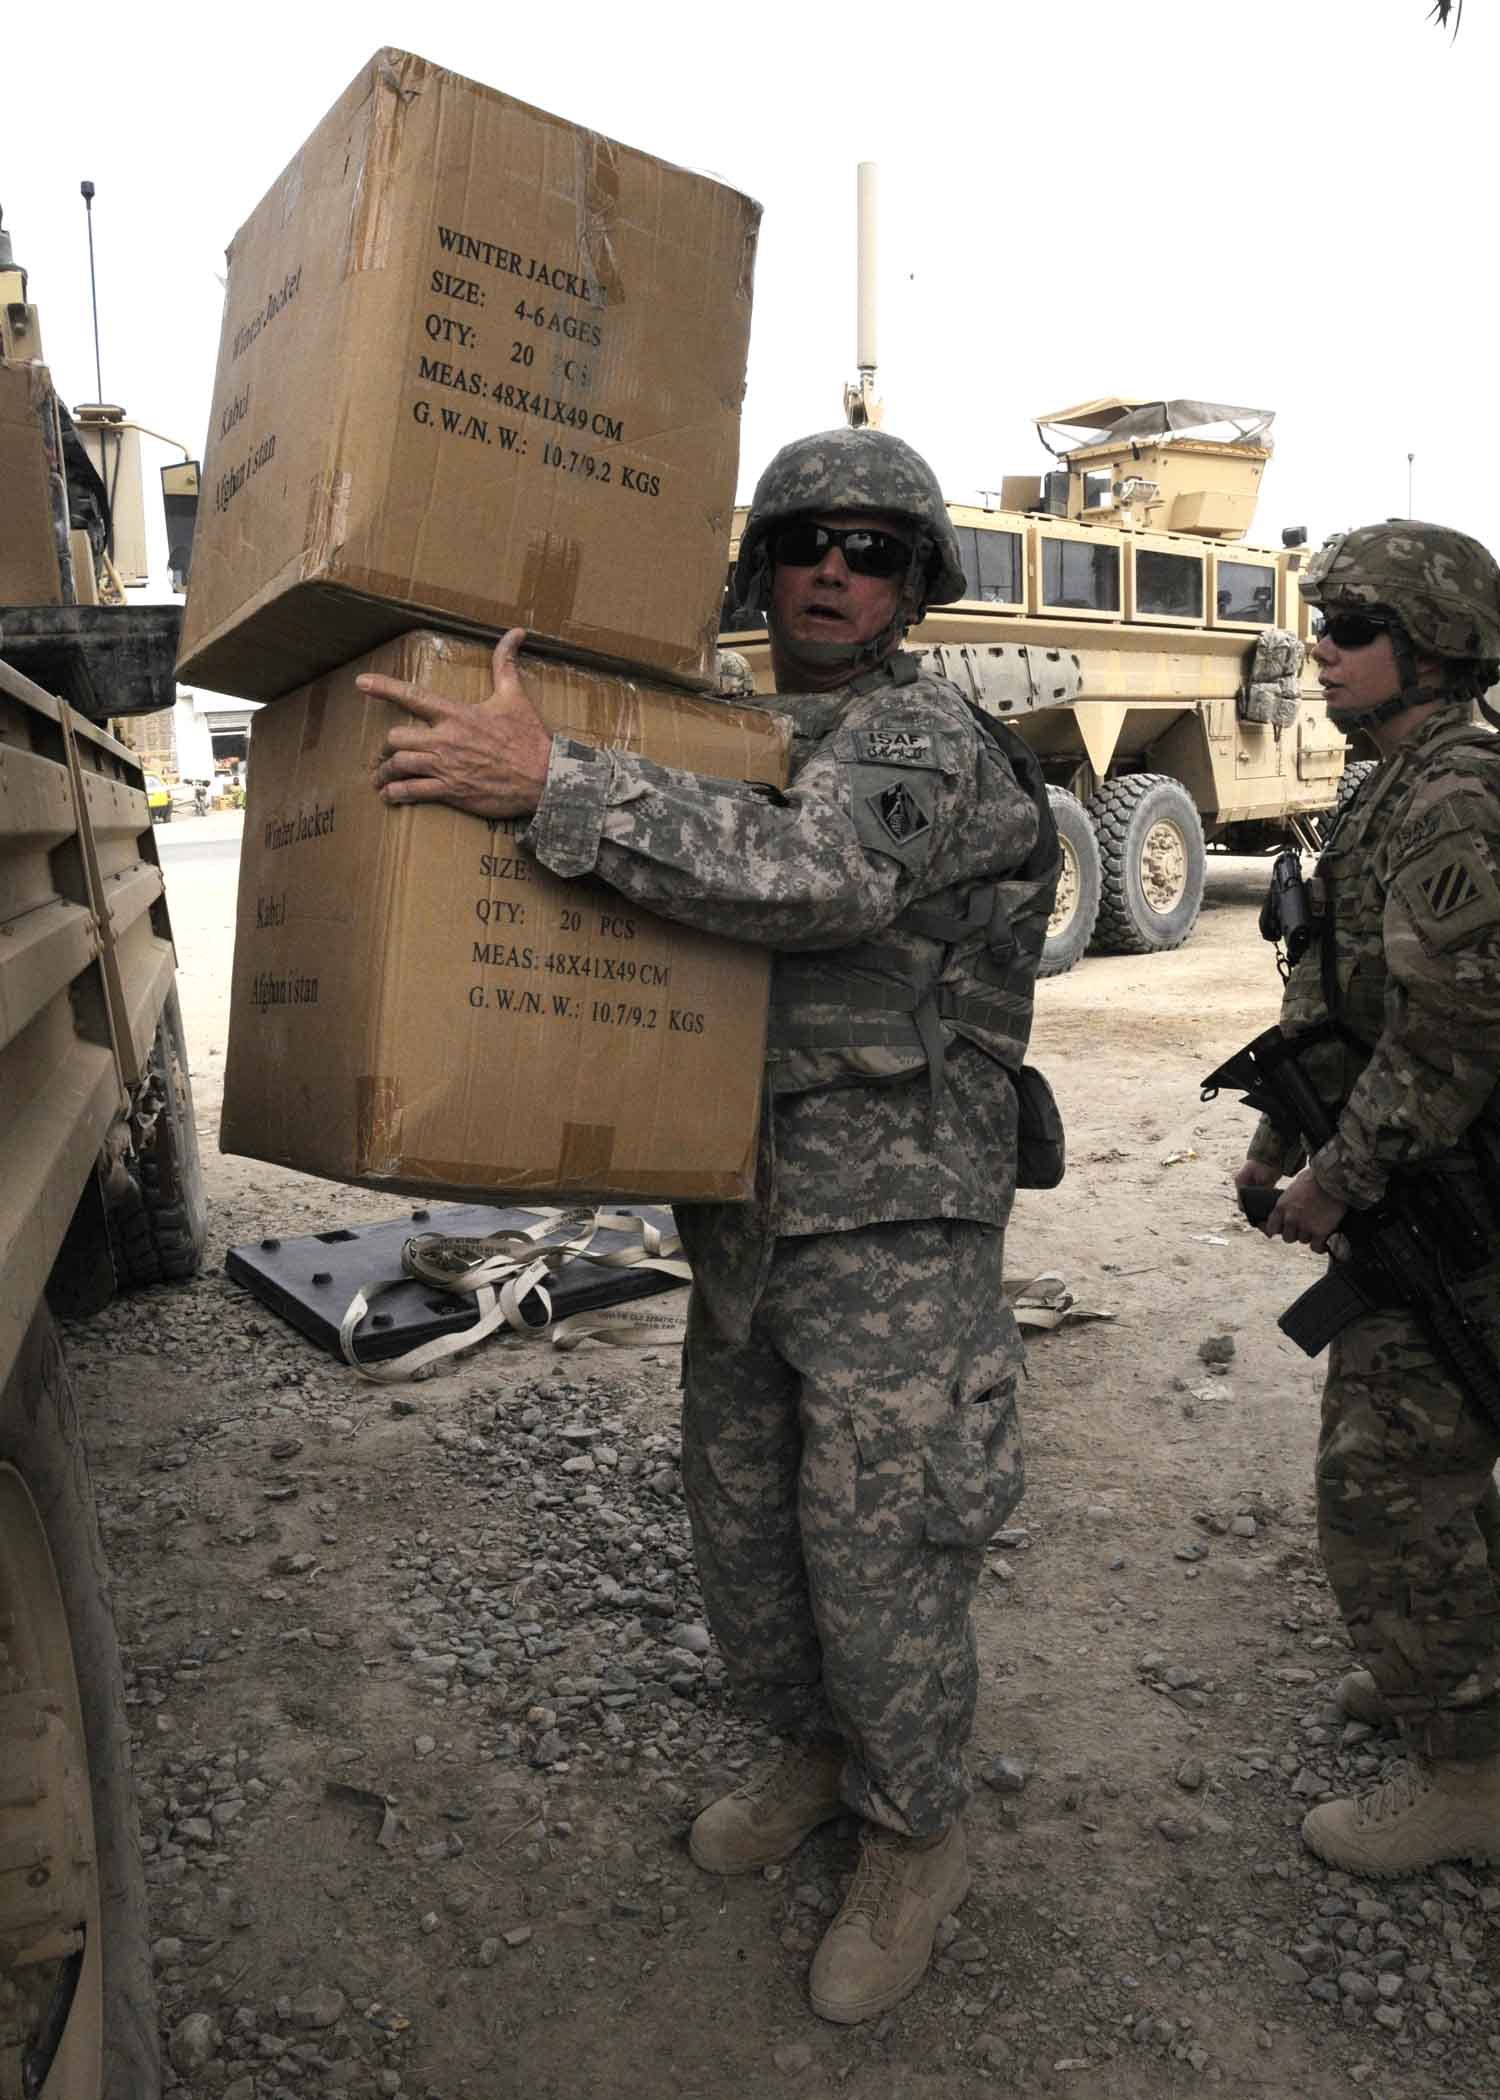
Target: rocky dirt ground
425,1701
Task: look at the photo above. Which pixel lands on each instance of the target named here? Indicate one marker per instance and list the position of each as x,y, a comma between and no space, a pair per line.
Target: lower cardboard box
417,1005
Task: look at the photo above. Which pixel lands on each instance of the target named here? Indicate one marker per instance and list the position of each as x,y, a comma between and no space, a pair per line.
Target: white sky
1285,203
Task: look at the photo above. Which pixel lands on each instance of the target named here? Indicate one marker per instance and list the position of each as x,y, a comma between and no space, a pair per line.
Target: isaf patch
895,747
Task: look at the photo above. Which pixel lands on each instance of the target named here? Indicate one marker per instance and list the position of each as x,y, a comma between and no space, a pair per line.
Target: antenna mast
86,191
863,408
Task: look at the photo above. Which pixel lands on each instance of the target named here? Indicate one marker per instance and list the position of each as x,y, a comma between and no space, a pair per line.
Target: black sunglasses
866,550
1350,630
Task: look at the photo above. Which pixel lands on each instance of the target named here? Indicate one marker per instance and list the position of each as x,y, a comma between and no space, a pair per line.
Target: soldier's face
1356,679
828,602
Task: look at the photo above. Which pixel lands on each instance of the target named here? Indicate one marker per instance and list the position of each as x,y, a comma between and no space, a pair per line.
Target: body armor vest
1334,1071
971,971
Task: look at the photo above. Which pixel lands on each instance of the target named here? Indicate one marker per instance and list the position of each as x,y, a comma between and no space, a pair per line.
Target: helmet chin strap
835,656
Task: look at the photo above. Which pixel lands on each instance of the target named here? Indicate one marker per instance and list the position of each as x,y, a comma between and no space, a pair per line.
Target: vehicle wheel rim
1164,868
1069,886
41,1726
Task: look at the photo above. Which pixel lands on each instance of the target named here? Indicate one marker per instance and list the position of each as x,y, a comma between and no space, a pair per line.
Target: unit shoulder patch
894,811
1449,890
900,813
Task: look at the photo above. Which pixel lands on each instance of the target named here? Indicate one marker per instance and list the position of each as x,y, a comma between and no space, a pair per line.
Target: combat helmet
854,470
1440,591
733,678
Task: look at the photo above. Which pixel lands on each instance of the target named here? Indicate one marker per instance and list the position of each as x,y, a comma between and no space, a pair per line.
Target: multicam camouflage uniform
850,1437
1410,887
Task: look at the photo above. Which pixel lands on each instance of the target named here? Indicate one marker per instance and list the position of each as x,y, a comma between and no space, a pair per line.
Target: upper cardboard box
479,368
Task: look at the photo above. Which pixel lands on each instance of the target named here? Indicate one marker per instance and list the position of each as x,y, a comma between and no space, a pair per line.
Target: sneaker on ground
1419,1815
878,1947
769,1814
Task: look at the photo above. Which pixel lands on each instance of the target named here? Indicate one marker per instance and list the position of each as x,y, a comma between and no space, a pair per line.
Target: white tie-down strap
502,1270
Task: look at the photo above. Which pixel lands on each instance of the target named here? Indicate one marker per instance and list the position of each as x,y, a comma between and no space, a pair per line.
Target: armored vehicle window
1170,585
1246,591
1079,577
992,565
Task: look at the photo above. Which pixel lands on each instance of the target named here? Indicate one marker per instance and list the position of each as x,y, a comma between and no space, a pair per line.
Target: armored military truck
1153,659
100,1189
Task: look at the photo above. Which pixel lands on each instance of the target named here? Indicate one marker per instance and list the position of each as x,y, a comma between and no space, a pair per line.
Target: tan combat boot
769,1814
1421,1814
878,1947
1359,1698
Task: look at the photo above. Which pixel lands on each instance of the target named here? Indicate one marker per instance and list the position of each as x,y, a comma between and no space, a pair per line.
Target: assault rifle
1401,1253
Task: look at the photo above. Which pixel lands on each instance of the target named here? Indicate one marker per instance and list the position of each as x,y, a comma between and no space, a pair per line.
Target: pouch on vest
1271,693
1040,1151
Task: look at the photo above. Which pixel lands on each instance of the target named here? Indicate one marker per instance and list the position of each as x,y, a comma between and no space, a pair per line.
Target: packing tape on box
549,579
328,501
371,210
377,1111
506,1269
584,1154
598,209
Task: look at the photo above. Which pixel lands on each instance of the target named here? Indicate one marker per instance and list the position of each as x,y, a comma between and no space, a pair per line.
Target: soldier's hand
490,759
1306,1213
1255,1175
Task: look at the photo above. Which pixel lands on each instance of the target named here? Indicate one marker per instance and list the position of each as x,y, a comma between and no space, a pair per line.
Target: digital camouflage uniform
733,678
849,1428
1409,887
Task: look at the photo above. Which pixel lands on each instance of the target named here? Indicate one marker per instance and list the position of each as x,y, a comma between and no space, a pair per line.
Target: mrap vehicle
1154,660
100,1189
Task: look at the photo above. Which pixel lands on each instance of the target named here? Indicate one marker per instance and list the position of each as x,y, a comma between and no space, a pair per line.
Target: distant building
204,733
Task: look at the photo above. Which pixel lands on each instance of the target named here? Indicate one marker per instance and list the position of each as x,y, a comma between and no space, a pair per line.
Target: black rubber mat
310,1281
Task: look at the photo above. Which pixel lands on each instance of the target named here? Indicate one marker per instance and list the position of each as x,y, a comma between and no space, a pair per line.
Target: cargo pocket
975,1475
885,1498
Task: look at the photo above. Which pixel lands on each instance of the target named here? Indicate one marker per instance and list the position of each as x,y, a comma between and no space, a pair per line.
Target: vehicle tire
1351,780
64,1661
1071,926
1153,864
158,1231
83,1279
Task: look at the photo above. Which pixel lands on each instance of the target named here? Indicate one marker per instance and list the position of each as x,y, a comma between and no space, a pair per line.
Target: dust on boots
1422,1813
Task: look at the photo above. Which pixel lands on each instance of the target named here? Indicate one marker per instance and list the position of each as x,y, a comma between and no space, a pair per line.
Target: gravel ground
425,1700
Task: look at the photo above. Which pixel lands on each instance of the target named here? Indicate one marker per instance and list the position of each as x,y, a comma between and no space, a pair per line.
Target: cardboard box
30,573
479,369
417,1005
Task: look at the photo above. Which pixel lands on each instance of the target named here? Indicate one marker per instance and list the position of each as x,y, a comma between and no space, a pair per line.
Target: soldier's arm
836,857
1438,1058
1269,1149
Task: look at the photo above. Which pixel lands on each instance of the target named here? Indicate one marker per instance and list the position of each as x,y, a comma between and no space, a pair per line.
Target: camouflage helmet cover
1443,586
858,470
733,678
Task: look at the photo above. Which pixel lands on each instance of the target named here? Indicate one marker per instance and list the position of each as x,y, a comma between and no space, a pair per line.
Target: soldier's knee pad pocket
974,1471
